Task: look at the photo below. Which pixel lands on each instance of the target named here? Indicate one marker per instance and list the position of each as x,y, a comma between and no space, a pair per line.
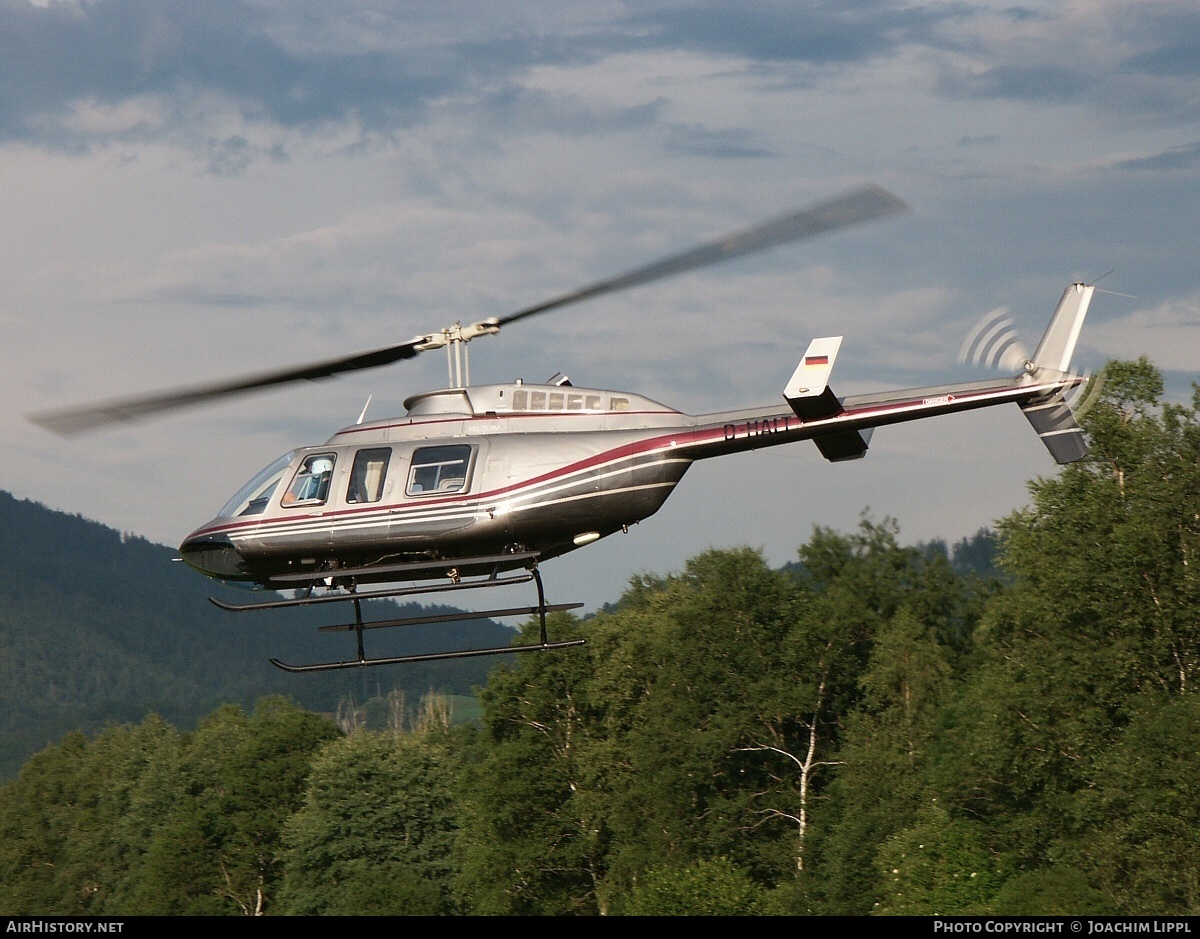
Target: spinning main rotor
857,205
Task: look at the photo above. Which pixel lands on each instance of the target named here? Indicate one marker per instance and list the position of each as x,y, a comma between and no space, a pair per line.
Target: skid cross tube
358,628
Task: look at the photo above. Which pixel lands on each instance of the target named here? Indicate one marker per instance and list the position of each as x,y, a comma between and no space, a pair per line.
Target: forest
868,731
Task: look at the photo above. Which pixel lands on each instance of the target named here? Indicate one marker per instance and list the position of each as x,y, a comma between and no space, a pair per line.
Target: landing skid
347,576
431,657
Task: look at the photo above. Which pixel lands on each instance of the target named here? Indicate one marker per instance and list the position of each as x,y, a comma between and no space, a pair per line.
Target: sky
192,191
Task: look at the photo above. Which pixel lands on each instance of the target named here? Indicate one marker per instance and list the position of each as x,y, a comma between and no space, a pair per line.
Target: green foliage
704,888
1107,556
1142,812
527,845
375,833
939,866
975,555
246,775
885,756
1096,637
77,824
705,719
142,821
696,717
1058,889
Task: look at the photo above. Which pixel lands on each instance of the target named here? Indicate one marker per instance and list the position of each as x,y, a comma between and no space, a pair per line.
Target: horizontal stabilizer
1056,426
844,445
807,391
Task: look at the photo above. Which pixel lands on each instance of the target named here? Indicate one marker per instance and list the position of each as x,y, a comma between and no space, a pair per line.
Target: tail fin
1052,418
1057,345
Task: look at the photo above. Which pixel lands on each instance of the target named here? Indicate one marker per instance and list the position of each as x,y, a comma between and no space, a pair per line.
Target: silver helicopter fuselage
467,472
493,471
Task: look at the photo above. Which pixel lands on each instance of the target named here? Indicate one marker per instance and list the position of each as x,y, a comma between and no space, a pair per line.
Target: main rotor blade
858,205
70,421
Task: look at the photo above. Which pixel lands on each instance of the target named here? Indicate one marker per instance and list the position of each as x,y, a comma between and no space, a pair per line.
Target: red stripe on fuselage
679,440
617,453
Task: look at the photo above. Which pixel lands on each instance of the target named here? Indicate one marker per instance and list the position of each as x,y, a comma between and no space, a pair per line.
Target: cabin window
593,403
519,400
439,469
310,485
537,401
368,474
618,404
574,402
556,401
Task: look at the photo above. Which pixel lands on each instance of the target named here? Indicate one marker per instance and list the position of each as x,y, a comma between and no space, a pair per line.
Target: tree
940,865
219,849
1097,636
77,824
529,842
704,888
1142,812
704,719
885,757
375,834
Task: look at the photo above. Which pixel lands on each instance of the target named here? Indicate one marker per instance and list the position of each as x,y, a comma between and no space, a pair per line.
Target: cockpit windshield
253,497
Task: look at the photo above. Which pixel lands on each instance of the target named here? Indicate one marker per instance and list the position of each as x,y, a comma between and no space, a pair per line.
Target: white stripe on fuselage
523,497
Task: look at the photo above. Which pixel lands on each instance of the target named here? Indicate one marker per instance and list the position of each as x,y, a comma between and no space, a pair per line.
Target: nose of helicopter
214,556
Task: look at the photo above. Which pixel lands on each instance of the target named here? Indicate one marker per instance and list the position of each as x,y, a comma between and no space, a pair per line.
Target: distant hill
974,555
96,627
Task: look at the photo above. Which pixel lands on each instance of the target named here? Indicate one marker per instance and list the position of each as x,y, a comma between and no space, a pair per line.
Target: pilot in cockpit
311,483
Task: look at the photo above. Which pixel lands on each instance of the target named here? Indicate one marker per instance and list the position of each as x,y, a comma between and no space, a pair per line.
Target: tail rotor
994,343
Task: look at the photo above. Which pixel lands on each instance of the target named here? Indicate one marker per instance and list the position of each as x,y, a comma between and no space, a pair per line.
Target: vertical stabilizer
1058,342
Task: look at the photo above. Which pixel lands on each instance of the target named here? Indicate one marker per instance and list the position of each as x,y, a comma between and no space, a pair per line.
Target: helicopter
476,487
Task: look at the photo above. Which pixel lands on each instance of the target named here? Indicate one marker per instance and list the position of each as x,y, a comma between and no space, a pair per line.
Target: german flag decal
816,360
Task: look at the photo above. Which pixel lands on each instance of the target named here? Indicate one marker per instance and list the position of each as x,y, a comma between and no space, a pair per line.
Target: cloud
817,33
80,74
231,80
1182,157
66,59
1168,334
1162,38
1118,58
519,109
1047,83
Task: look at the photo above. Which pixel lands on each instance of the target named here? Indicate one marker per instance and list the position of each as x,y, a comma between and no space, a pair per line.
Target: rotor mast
455,339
